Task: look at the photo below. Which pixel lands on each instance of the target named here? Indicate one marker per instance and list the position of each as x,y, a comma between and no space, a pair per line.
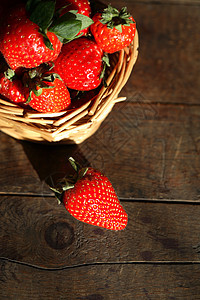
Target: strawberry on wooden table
112,29
90,197
34,34
80,64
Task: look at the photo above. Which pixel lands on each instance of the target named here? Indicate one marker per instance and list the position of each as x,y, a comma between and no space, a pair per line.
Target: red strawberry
11,87
91,198
113,30
32,36
80,64
50,96
82,6
23,45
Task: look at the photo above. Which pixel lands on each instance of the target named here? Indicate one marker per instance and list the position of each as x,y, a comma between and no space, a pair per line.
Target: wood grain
100,282
147,151
130,3
39,232
169,58
149,147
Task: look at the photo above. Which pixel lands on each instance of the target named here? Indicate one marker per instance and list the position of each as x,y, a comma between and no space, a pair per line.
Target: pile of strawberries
51,50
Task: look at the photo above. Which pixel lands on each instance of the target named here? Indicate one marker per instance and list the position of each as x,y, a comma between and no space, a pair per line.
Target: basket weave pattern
72,125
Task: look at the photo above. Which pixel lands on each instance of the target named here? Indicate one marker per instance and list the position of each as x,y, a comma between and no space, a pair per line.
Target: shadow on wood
51,161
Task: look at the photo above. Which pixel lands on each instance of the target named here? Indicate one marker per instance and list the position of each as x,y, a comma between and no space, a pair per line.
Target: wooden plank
168,65
130,3
100,282
39,232
24,166
147,151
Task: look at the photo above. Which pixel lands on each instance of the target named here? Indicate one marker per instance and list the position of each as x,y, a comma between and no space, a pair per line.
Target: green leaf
68,186
106,60
50,66
106,63
109,13
51,77
47,41
55,190
67,26
33,73
86,21
31,4
10,74
47,87
119,27
37,92
43,13
82,172
29,98
58,194
74,164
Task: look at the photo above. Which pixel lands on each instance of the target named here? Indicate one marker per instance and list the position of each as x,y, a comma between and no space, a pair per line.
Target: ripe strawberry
11,87
23,45
49,95
82,7
91,198
34,34
80,64
113,30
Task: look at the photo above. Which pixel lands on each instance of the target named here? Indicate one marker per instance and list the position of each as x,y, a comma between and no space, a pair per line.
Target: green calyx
66,27
10,74
114,18
69,183
37,79
80,171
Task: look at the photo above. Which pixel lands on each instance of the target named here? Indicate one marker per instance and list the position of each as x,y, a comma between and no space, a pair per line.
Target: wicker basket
77,124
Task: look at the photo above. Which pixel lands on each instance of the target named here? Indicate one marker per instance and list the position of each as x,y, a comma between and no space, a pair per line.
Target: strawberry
81,6
11,87
112,29
80,64
23,45
34,34
48,92
90,197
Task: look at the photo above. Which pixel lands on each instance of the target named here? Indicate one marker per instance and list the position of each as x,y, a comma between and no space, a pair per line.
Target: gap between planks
122,199
157,262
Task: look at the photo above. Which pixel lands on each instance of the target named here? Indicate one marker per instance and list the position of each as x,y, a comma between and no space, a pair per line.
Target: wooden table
149,147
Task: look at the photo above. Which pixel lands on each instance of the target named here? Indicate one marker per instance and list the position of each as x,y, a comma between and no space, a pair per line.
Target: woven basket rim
71,125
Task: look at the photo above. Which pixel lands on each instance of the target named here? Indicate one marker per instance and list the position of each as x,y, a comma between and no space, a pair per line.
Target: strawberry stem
68,183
